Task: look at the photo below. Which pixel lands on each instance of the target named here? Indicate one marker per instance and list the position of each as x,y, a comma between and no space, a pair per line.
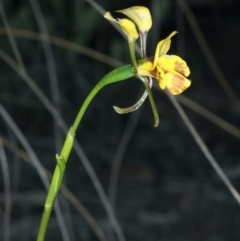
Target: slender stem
119,74
152,102
55,184
61,165
131,44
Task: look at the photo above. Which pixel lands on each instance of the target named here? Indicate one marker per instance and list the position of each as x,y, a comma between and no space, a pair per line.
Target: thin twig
64,44
22,69
204,148
55,96
117,160
11,38
37,164
7,193
180,28
208,54
64,190
209,116
52,72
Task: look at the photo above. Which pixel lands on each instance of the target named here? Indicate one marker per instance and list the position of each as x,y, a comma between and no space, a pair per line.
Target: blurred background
160,184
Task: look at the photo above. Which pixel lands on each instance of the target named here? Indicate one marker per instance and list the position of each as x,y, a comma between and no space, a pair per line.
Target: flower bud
126,25
140,16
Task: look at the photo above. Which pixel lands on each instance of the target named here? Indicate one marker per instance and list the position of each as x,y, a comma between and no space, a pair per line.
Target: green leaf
119,74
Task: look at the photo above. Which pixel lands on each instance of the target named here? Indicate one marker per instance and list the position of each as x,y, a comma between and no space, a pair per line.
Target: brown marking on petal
177,83
153,72
180,67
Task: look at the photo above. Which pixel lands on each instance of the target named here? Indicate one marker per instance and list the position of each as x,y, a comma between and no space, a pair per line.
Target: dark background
167,190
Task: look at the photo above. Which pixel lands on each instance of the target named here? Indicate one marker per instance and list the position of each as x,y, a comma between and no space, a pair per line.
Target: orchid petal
145,69
140,16
163,47
176,83
136,105
133,107
174,63
127,26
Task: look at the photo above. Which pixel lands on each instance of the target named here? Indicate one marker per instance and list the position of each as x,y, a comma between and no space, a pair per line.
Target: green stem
152,102
119,74
60,167
55,184
131,44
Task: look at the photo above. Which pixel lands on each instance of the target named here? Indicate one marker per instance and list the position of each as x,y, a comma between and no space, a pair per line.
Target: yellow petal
140,15
127,26
109,17
173,63
176,83
160,77
163,47
145,69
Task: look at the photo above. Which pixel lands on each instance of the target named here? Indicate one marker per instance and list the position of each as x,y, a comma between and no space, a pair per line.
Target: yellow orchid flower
140,16
170,70
127,26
